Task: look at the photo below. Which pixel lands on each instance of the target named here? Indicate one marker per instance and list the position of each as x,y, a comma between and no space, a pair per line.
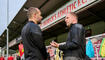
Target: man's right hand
54,44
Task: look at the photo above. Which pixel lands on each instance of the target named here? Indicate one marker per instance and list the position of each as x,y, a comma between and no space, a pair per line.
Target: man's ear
35,15
72,20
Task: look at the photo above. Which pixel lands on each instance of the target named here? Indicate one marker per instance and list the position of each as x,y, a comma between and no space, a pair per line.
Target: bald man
74,48
34,47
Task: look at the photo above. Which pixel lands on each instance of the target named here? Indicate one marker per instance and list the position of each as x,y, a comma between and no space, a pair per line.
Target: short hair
31,10
74,14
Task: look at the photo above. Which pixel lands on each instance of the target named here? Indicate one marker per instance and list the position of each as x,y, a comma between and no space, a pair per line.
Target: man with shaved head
34,47
74,48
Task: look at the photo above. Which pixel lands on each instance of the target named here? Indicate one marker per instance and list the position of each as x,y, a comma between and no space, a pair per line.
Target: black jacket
75,44
34,47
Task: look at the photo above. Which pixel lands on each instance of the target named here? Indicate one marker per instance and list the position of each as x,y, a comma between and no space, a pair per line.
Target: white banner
71,6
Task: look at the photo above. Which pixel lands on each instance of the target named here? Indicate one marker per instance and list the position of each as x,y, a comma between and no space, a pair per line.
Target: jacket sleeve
38,40
76,39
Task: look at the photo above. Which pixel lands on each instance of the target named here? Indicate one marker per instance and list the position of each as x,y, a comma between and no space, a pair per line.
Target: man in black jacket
34,47
74,48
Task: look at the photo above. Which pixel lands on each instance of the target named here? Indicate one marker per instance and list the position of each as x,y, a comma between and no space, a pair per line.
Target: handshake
54,44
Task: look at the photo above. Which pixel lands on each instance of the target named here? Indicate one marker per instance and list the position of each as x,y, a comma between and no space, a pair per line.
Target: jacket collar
31,21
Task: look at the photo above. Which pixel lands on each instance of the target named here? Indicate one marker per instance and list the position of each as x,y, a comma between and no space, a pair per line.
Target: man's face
69,19
38,16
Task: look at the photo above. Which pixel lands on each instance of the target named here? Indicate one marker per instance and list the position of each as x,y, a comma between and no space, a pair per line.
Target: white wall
14,7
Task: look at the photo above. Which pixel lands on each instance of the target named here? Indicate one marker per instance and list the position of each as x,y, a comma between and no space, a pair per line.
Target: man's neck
33,21
74,23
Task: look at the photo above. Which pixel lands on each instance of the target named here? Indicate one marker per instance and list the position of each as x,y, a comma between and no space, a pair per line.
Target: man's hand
54,44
